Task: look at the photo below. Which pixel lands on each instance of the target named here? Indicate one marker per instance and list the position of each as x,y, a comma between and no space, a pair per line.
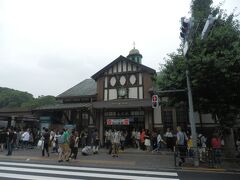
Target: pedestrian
142,139
108,138
25,138
76,144
159,142
238,146
61,147
190,146
115,143
133,138
138,139
122,140
181,145
65,146
201,144
95,141
46,141
169,139
153,141
216,147
147,142
10,136
72,143
3,139
83,136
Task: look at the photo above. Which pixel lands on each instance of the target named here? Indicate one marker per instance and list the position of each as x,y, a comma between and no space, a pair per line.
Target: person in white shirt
25,138
169,139
159,141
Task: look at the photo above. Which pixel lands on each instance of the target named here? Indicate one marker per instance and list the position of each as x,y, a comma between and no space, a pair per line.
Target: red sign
117,121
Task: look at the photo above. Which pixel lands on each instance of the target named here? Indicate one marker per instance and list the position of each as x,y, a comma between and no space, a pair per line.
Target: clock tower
135,56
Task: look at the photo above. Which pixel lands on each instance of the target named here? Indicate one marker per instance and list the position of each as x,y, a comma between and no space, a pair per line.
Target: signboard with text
118,121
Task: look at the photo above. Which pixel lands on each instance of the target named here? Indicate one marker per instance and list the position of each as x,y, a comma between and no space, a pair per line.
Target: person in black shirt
46,138
10,136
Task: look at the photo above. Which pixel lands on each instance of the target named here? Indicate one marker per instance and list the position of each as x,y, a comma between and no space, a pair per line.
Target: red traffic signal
154,101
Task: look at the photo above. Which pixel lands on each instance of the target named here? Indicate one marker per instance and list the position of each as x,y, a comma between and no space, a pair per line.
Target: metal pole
192,119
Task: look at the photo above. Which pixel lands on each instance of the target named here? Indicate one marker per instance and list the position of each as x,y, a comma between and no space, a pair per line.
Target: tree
213,63
10,98
40,101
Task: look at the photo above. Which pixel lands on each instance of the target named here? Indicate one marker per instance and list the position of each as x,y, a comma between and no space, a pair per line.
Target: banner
118,121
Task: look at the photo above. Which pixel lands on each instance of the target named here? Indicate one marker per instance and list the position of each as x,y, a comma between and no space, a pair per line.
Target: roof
134,51
87,87
122,58
64,106
123,103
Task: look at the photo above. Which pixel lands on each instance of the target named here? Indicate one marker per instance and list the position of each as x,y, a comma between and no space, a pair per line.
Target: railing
208,157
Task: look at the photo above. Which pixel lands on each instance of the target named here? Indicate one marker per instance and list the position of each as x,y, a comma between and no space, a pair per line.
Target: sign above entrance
118,121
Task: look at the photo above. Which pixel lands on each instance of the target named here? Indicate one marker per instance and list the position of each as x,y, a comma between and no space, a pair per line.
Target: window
167,119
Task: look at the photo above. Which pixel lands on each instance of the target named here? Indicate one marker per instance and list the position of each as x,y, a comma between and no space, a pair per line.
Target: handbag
40,143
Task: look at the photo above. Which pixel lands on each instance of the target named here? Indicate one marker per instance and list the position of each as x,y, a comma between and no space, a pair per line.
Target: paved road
129,165
204,175
40,171
13,170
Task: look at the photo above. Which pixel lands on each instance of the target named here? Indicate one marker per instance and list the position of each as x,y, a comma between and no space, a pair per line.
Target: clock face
122,92
122,80
113,81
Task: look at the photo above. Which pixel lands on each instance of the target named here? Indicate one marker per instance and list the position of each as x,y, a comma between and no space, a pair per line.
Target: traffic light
154,101
185,27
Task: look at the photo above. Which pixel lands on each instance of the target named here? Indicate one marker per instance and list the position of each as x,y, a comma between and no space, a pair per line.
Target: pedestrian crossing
59,172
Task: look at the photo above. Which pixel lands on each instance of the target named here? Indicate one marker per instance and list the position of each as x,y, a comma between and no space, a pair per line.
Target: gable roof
122,58
87,87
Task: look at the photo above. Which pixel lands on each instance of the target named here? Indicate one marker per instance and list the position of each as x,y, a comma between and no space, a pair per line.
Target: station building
117,96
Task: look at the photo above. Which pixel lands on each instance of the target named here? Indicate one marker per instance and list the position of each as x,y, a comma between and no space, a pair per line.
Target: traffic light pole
191,118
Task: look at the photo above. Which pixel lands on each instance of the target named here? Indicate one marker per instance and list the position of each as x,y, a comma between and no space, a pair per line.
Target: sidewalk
130,158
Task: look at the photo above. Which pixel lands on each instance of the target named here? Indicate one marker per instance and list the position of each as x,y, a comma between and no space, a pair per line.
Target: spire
135,55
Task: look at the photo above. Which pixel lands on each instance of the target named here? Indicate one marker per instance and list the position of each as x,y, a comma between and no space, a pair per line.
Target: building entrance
124,120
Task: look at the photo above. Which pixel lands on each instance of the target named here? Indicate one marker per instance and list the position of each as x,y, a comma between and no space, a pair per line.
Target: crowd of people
14,138
66,143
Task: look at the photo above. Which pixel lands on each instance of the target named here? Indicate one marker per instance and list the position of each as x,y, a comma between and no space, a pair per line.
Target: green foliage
40,101
214,65
10,98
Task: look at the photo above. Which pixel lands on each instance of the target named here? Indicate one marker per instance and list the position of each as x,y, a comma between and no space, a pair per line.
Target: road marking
91,169
132,163
32,177
84,174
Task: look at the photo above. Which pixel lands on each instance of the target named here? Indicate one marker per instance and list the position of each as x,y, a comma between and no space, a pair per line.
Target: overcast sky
48,46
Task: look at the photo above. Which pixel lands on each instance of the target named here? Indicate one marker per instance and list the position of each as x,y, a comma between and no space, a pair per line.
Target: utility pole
186,26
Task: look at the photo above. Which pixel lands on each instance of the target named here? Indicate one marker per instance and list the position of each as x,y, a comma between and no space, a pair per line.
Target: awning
64,106
122,103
